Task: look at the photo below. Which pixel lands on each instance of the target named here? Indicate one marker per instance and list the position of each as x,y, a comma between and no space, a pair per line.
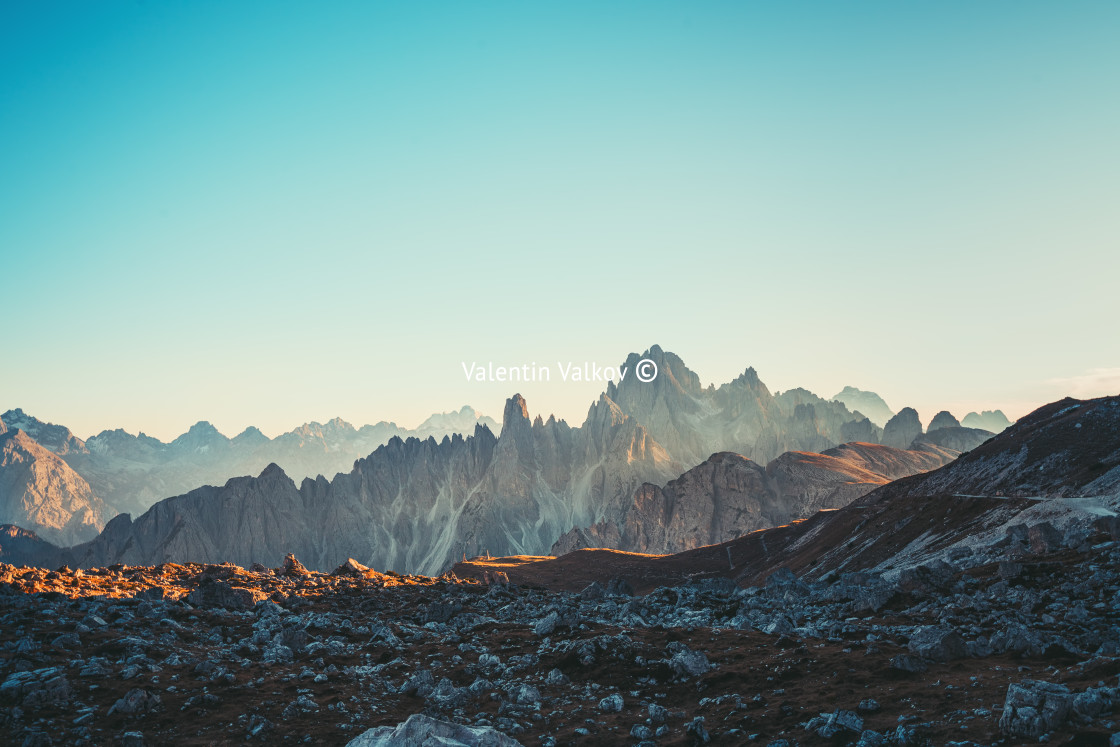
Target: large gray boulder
424,731
938,644
1033,708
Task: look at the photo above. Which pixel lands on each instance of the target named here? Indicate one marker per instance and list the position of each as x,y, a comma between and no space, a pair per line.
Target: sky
267,213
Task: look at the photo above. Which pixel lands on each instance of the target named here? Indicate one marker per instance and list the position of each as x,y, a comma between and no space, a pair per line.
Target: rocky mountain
869,404
957,439
55,438
901,430
988,420
1048,481
417,505
130,473
729,495
39,492
411,504
24,547
943,419
692,422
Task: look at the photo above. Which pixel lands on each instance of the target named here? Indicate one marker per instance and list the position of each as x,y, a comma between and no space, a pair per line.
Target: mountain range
129,473
418,505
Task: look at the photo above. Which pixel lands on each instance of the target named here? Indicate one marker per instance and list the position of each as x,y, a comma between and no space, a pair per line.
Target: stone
1033,708
908,663
136,702
688,663
132,739
1044,538
840,721
546,624
611,704
592,592
696,729
292,568
938,644
868,705
352,568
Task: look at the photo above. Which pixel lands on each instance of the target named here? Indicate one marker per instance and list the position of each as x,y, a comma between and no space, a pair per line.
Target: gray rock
556,677
420,730
611,704
840,721
938,644
528,695
1033,708
135,702
688,663
546,624
908,663
1044,538
696,729
592,592
869,705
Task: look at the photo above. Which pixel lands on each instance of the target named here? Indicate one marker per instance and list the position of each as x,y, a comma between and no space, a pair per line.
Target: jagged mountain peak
989,420
200,437
56,438
272,471
251,435
516,411
943,419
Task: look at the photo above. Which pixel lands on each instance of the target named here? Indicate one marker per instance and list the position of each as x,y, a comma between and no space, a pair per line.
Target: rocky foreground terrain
1017,643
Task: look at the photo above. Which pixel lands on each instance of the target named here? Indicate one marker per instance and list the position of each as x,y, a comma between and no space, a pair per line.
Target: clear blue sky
266,213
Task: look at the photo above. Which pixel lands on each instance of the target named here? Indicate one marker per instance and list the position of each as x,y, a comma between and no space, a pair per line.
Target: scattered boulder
1044,538
611,704
908,663
938,644
136,702
1033,708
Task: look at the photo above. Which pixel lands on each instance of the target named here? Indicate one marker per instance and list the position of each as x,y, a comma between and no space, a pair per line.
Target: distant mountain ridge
418,505
130,473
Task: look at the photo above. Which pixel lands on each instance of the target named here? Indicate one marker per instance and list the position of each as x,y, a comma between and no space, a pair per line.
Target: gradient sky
268,213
